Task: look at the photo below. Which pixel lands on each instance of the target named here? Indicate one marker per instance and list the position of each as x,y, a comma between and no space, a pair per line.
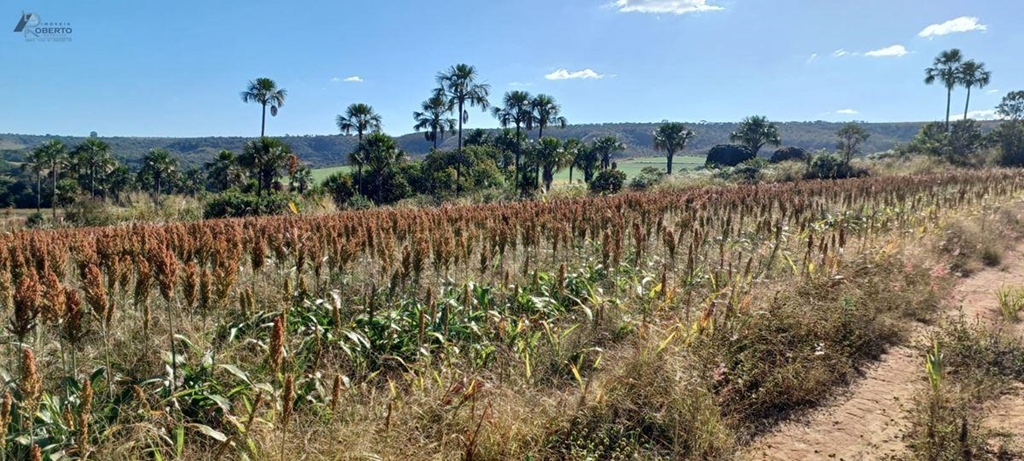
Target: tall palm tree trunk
263,123
519,148
53,199
668,158
39,190
435,139
967,107
461,115
458,159
359,168
949,100
359,172
570,172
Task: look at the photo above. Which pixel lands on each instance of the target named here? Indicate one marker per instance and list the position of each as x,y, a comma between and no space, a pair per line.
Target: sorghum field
663,325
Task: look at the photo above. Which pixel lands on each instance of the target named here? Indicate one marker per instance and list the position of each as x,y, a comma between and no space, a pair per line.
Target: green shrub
728,155
35,220
235,204
830,166
648,177
1010,139
340,187
787,154
959,146
359,202
608,182
88,212
747,172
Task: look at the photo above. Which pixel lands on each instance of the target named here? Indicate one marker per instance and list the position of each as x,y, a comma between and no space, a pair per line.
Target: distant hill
330,150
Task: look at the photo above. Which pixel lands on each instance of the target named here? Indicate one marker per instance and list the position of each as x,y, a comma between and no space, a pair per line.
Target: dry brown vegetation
666,325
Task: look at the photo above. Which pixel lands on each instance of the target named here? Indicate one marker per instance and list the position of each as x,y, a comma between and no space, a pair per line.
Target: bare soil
866,422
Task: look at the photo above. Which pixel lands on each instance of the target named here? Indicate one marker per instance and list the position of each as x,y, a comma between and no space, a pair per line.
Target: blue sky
176,68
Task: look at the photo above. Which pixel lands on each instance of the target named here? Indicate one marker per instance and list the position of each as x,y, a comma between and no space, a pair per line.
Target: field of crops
500,331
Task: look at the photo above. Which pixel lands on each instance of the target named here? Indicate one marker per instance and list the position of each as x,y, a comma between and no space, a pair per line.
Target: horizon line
698,123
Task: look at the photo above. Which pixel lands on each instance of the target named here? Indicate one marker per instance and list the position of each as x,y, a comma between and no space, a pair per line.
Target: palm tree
434,118
35,165
588,159
478,137
360,118
459,85
756,132
264,92
191,181
378,154
573,149
265,158
52,154
606,147
671,138
117,179
92,159
945,69
516,110
549,156
223,172
160,165
547,112
973,74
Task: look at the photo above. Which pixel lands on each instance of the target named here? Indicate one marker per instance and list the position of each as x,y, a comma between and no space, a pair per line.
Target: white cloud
987,114
812,58
895,51
354,79
847,112
563,74
519,84
961,24
993,91
664,6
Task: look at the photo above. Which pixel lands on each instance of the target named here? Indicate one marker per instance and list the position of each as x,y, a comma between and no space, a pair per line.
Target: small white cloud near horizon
812,58
519,84
664,6
564,74
961,24
993,91
895,51
847,112
352,79
986,114
841,52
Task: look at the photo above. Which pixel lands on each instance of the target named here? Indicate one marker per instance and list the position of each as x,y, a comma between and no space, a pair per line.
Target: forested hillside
329,150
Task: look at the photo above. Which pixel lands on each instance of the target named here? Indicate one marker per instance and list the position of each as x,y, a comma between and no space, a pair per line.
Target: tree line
509,159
